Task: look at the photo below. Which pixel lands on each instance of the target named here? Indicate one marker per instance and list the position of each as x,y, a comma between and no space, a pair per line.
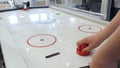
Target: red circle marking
32,45
89,28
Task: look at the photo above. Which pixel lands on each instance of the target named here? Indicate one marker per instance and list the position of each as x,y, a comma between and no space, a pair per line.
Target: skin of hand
93,41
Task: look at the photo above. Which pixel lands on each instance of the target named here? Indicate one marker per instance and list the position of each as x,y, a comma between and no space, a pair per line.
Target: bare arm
96,39
109,53
110,28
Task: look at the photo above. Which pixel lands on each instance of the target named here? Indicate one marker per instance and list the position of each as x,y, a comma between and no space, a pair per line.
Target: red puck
80,52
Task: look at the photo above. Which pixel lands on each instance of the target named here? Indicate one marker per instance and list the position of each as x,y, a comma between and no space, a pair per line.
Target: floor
44,38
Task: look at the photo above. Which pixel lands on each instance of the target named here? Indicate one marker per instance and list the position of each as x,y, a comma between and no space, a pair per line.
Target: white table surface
19,27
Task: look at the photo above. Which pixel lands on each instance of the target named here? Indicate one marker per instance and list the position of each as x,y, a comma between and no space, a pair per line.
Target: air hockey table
44,38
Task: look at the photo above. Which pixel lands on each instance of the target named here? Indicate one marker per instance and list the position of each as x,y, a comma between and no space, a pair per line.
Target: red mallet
25,8
80,52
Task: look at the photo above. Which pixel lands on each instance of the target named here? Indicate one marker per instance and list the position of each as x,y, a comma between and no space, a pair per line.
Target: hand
93,41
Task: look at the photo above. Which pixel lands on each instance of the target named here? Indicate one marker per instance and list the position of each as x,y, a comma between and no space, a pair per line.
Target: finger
89,48
81,42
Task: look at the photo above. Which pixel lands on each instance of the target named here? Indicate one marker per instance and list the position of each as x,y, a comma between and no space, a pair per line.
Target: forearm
108,54
111,47
111,27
